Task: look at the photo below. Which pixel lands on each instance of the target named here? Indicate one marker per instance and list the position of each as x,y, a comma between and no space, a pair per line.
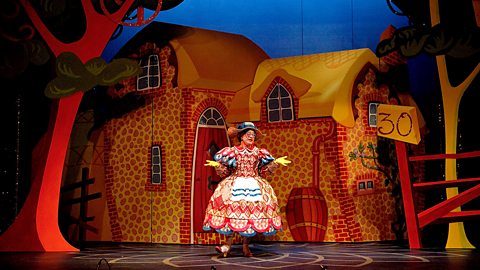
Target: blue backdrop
284,28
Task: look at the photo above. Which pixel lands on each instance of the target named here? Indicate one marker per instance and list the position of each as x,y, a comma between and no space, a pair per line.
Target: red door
209,141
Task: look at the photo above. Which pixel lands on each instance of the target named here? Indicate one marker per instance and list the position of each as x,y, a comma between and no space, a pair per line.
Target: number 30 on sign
398,122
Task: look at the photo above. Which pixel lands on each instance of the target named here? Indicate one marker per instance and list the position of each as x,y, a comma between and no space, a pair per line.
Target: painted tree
451,96
442,40
36,227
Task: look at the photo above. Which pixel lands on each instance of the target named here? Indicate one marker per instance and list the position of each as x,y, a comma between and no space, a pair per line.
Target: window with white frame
372,114
150,76
211,117
156,164
279,104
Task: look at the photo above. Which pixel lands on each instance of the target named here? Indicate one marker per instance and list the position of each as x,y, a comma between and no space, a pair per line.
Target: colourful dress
244,201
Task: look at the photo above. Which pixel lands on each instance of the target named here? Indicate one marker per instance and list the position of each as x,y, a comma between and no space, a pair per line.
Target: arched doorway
211,136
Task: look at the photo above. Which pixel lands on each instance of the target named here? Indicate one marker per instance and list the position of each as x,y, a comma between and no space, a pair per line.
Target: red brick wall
346,229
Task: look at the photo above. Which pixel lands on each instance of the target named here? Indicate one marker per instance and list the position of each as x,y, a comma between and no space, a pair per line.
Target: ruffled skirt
245,205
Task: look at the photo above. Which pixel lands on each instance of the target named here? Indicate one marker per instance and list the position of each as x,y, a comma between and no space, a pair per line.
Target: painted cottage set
315,109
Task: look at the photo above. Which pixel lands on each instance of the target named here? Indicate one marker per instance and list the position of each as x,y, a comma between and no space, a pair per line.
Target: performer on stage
244,202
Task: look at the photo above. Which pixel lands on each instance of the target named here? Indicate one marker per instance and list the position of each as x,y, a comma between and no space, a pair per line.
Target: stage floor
266,256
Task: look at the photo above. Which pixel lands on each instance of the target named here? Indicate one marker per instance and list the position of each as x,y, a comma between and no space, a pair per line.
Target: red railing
440,213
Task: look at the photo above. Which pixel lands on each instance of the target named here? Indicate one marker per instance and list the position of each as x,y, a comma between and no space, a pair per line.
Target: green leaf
60,87
406,33
361,148
413,47
95,65
119,69
438,43
69,65
73,76
37,51
463,48
385,47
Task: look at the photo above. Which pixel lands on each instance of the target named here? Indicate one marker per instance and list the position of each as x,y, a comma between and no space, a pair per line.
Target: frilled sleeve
226,158
266,166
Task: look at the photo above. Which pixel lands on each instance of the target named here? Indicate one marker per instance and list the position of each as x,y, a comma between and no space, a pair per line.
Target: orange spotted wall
139,211
289,140
373,225
143,212
351,216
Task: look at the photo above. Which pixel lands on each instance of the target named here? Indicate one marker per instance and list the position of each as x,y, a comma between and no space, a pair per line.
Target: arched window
150,76
211,118
279,104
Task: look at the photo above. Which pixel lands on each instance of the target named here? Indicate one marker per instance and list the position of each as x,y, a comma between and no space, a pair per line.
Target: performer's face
248,139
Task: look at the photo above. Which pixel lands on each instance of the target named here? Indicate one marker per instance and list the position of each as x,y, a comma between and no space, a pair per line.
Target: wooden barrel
307,214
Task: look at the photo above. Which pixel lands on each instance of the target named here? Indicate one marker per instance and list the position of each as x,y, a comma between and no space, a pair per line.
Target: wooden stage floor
303,256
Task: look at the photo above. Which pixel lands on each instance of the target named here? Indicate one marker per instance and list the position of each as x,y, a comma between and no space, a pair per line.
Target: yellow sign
398,122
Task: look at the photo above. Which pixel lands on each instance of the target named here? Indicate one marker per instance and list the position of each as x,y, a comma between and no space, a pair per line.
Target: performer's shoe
225,250
246,251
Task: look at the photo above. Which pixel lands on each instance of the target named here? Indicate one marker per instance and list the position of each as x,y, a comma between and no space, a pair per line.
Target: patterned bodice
247,162
244,162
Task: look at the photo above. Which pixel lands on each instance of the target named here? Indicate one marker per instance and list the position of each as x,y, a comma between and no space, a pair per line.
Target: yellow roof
323,84
215,60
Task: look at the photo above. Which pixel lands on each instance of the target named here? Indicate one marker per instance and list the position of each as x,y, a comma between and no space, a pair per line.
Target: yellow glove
212,163
282,161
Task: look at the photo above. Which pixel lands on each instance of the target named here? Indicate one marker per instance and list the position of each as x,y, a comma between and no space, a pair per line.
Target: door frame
192,180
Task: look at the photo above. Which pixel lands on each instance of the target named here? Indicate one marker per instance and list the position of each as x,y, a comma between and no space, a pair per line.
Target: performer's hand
212,163
282,161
